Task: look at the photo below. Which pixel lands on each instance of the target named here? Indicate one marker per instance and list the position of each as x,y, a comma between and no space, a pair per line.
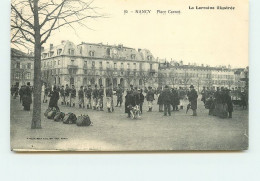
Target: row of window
20,75
115,65
51,63
201,75
18,65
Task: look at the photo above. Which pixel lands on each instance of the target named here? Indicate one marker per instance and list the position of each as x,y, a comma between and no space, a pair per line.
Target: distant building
179,75
90,64
22,67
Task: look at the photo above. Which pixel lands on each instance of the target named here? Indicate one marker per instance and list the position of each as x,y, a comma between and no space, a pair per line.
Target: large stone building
176,74
90,64
22,67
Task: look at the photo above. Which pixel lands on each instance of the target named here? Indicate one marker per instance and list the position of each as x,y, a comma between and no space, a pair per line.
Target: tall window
91,53
115,65
128,65
71,51
17,75
100,64
85,64
28,75
134,65
93,64
29,66
122,65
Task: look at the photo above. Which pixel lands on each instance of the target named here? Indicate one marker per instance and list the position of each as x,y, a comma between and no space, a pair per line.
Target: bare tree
33,22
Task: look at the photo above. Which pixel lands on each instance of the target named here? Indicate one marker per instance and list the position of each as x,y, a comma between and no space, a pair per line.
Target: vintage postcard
121,75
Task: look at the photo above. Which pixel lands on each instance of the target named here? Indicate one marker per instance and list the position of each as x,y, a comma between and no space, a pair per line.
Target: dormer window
59,51
51,54
133,56
91,53
71,51
149,57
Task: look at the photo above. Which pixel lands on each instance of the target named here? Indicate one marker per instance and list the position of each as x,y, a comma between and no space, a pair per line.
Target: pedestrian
12,90
175,100
21,92
46,94
203,93
73,94
150,98
141,100
62,94
54,97
67,94
160,101
95,97
192,96
119,95
100,98
88,94
129,102
81,97
166,100
109,97
229,103
27,97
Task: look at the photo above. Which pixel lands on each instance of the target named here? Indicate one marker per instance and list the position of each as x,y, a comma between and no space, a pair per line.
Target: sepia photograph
129,76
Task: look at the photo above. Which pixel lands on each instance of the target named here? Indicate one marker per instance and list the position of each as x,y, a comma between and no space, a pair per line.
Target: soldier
95,98
119,95
129,102
46,93
62,94
141,100
100,98
192,96
54,97
166,96
204,94
67,94
150,98
27,97
109,96
88,93
229,103
81,97
159,101
73,96
21,92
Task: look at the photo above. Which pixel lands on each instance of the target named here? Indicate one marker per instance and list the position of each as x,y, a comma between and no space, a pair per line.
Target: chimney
51,46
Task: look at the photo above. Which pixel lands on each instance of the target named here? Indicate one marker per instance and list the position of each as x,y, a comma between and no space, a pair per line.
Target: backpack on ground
83,120
70,118
51,114
59,116
47,111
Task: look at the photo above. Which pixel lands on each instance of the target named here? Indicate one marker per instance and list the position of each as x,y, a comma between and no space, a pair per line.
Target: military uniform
95,98
119,95
88,93
62,94
109,97
150,99
81,98
67,95
100,99
73,97
192,96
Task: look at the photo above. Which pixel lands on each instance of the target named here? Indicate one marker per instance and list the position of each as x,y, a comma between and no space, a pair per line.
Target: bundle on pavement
70,118
59,116
50,113
83,120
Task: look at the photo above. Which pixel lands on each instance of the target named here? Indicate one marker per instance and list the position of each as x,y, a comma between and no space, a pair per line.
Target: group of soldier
219,102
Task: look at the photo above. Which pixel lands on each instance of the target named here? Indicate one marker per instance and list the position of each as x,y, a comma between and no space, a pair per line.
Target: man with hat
100,97
204,94
109,96
150,98
81,97
119,95
62,94
27,97
192,96
95,98
67,94
166,96
88,94
73,96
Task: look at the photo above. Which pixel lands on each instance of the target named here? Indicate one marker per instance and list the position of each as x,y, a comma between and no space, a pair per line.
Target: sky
212,37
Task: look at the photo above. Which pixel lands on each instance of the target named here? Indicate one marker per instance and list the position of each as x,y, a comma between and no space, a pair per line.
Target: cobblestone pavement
115,132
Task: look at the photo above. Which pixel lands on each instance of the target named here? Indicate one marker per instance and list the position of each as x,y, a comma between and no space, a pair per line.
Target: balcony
72,67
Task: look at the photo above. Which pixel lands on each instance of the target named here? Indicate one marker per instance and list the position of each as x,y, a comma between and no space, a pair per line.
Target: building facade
179,75
22,67
90,64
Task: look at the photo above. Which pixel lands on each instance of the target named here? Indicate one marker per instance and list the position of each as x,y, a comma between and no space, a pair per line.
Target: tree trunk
36,118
